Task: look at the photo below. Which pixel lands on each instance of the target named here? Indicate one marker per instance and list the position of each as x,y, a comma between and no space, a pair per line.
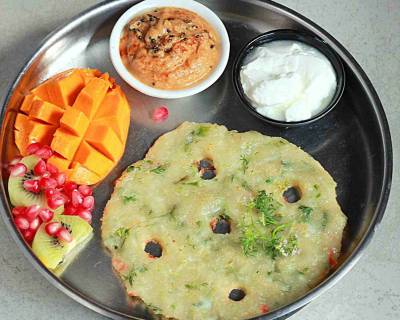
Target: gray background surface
369,29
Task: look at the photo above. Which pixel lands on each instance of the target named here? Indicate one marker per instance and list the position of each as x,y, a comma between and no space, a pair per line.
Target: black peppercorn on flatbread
216,224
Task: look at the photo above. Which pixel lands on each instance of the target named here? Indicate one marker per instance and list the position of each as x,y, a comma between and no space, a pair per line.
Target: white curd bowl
148,5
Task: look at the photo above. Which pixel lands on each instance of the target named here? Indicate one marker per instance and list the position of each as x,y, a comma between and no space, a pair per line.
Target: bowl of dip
169,49
289,78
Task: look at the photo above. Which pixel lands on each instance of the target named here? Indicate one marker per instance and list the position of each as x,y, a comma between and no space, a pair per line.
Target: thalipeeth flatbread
216,224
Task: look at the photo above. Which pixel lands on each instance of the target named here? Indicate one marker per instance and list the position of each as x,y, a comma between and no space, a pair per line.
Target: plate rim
328,282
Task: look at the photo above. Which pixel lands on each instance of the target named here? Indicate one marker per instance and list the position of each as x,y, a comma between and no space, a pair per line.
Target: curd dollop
288,80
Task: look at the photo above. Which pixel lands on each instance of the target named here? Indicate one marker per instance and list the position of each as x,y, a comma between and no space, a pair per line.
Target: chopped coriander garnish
267,206
132,274
131,168
128,198
269,180
193,183
324,220
195,286
245,163
316,189
201,131
305,213
119,236
159,170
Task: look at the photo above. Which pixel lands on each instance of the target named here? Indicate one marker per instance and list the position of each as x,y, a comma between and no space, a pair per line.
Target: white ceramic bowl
148,5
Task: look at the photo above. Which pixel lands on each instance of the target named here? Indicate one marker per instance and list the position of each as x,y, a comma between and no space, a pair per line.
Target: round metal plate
352,142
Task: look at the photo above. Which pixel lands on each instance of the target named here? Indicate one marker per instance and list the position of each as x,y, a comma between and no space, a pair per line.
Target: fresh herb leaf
131,168
128,198
324,220
269,180
193,136
245,163
159,170
130,276
267,206
193,183
195,286
305,213
316,189
119,236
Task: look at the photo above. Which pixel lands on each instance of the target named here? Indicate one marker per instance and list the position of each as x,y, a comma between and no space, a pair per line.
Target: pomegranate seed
33,147
47,183
55,201
18,210
21,223
85,215
88,202
52,228
70,210
29,235
76,198
85,190
50,192
69,186
52,169
45,214
44,152
32,186
40,168
14,161
64,235
60,177
18,170
31,212
35,223
160,114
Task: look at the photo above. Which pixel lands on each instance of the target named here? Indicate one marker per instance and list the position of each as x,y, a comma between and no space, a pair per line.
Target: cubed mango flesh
65,143
46,112
104,139
74,121
92,159
84,117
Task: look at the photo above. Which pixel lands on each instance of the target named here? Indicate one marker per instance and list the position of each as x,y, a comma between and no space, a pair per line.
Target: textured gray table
369,29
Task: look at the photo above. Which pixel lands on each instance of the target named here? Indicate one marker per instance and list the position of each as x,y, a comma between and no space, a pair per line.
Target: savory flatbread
216,224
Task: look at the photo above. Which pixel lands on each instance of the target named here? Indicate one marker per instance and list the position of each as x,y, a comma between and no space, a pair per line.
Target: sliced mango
27,103
93,159
46,112
104,139
83,115
65,143
82,175
91,96
113,111
58,161
75,121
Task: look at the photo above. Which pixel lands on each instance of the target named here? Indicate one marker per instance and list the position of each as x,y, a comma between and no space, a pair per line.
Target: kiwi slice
56,254
18,195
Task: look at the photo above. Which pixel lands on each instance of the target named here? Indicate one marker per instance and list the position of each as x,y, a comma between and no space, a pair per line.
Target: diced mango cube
81,175
65,143
104,139
93,159
46,112
27,103
22,123
75,121
41,132
64,90
90,97
58,161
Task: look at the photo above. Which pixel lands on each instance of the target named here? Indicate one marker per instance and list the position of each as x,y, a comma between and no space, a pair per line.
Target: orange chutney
170,48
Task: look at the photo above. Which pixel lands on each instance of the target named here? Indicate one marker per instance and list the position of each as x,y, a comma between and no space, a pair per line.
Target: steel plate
352,142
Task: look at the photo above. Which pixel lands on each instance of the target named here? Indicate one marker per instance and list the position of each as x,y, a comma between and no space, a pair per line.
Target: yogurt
288,80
